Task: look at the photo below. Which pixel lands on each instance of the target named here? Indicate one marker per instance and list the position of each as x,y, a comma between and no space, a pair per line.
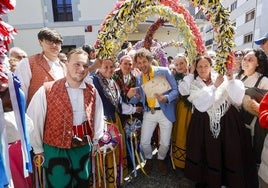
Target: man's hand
132,92
139,109
160,97
95,65
39,159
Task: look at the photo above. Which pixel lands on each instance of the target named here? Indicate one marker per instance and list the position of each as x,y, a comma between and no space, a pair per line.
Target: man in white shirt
39,68
67,116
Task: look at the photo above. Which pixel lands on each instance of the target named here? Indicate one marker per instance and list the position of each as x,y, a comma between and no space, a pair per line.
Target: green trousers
67,168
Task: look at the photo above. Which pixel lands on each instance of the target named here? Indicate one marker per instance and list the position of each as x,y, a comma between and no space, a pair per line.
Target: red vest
41,73
59,118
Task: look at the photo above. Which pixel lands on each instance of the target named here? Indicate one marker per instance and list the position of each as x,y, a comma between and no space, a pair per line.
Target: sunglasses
238,55
264,41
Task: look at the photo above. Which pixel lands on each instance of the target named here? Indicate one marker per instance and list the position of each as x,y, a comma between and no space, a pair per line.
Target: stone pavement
174,179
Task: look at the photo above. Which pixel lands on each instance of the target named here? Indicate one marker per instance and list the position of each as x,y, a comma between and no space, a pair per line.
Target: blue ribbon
22,109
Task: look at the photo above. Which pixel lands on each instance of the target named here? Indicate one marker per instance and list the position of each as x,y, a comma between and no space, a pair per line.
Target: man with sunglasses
42,67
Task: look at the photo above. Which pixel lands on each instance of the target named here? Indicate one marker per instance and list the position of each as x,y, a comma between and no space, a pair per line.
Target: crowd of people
212,126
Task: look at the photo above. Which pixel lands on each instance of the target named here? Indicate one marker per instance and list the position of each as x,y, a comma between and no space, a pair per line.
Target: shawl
118,77
220,106
110,90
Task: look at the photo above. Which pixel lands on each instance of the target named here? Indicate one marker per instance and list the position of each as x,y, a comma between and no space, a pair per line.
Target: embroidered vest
59,119
41,73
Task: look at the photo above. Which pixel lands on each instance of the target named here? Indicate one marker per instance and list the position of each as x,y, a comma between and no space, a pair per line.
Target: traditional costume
36,70
113,106
256,80
125,82
218,148
183,117
66,121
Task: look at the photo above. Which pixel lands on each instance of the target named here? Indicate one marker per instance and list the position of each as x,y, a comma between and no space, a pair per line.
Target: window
233,6
62,10
209,42
248,38
250,15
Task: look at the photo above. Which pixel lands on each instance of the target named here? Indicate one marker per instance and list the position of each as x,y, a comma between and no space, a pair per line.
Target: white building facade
250,21
80,20
77,20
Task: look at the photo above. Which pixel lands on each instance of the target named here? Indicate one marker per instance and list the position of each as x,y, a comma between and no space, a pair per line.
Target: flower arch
127,14
108,43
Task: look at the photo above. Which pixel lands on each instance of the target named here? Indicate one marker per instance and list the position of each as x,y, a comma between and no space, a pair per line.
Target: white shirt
12,127
204,97
38,107
184,84
252,79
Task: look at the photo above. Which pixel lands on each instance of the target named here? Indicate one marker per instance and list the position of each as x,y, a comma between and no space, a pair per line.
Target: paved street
174,179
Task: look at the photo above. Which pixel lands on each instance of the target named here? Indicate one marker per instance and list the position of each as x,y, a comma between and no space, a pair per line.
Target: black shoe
162,167
200,185
148,166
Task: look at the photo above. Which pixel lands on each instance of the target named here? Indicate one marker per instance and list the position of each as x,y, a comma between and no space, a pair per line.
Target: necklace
109,89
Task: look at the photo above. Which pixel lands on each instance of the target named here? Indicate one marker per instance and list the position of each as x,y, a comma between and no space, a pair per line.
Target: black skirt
226,160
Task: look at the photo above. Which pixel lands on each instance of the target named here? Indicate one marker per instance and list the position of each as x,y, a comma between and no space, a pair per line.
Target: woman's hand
229,74
192,68
219,80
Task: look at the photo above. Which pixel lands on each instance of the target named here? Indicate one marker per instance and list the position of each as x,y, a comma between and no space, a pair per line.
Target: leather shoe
162,167
148,166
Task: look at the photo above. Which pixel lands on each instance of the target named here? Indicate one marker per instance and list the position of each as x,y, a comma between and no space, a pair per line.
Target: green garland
219,18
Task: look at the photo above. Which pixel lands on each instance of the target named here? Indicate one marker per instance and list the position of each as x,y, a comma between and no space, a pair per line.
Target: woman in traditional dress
113,105
183,110
218,148
253,67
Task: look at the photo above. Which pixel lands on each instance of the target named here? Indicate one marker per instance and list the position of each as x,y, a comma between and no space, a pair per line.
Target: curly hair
143,52
262,61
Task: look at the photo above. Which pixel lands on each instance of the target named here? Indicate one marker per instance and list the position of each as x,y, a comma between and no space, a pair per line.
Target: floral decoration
6,30
6,6
157,49
148,39
6,37
178,21
117,24
127,14
219,18
179,8
124,19
150,44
